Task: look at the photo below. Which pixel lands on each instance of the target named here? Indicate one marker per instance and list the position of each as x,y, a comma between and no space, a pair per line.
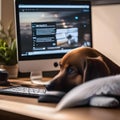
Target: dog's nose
51,86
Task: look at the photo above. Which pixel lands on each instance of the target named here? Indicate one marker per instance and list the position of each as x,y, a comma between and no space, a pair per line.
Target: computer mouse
51,96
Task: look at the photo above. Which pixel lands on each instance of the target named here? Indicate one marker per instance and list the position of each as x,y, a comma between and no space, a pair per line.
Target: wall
106,30
0,9
106,25
7,14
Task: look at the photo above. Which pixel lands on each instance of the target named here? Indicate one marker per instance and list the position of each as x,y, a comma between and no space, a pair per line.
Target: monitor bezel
48,2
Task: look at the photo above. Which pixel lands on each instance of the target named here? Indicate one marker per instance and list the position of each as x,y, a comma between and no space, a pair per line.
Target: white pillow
82,94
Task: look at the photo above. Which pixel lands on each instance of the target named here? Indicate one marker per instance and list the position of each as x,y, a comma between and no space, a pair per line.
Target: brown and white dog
81,65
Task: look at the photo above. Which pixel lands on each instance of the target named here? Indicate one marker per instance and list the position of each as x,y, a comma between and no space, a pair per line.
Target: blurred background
105,25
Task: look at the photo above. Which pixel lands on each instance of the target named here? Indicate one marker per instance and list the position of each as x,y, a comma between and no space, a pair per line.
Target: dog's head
78,66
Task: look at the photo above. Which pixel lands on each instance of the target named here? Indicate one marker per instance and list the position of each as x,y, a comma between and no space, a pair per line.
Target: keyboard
23,91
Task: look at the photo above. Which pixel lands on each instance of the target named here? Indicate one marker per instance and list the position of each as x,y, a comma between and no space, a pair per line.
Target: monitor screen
48,30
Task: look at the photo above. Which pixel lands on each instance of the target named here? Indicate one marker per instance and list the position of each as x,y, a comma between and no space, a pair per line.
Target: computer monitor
46,30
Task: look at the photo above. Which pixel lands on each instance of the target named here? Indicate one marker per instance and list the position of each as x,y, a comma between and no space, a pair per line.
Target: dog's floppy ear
94,68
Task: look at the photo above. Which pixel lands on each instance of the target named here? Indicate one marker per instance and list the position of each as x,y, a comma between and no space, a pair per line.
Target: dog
81,65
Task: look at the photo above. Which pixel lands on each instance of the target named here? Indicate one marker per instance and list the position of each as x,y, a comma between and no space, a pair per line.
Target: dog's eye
70,70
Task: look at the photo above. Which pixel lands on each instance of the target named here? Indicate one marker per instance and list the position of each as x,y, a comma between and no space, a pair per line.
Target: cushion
84,94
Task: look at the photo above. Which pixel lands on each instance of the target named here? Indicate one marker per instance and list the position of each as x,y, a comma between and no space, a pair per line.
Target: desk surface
30,107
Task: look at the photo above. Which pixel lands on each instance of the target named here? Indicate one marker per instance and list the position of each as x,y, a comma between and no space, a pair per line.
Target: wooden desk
24,108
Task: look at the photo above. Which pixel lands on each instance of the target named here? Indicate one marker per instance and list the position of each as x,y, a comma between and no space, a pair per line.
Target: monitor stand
36,78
